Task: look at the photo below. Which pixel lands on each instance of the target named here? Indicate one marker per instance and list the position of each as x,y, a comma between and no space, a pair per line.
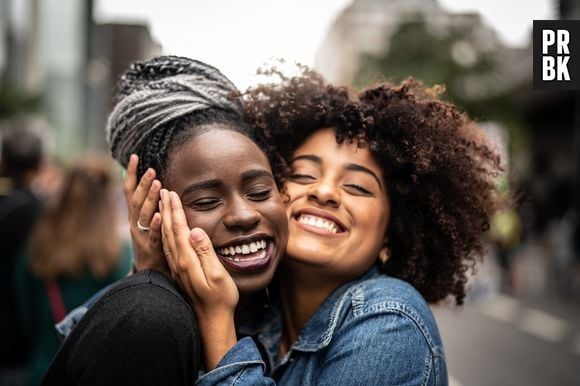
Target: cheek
373,220
208,221
275,212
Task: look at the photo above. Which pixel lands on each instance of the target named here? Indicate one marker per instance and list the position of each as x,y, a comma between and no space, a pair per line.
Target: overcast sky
237,36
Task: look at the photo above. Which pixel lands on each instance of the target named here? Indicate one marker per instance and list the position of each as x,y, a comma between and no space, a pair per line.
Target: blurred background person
21,158
504,237
75,250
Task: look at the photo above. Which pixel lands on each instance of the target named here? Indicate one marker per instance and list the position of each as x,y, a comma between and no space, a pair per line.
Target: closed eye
302,177
206,203
260,194
359,189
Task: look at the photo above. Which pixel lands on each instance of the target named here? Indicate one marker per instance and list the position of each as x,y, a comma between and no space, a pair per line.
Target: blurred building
53,48
366,27
19,44
113,48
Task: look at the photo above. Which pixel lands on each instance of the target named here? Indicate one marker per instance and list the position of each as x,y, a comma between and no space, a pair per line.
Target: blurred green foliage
421,51
14,102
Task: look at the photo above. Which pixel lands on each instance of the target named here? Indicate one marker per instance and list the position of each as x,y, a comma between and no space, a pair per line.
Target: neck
302,292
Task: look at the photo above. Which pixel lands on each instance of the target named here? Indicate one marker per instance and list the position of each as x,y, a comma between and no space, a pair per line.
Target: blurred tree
14,102
450,55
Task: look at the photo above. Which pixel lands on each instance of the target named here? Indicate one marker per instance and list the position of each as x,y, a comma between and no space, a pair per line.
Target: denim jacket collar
318,331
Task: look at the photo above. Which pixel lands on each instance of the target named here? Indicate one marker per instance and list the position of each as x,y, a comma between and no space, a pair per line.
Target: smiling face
227,189
339,209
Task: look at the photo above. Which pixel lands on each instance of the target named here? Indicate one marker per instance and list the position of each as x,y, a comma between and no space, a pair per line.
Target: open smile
319,222
247,254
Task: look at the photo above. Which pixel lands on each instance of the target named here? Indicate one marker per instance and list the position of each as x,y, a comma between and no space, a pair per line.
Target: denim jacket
377,330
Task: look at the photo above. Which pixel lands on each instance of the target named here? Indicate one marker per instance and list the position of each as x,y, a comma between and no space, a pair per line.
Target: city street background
527,337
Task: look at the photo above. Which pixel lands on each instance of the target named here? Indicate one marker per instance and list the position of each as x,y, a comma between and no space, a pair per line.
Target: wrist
218,337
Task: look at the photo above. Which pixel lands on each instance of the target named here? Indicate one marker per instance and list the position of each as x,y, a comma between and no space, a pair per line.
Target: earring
384,255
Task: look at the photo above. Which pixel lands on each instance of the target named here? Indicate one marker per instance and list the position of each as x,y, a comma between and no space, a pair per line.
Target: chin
307,248
249,285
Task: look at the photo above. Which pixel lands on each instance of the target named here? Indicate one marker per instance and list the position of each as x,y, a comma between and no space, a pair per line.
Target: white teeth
318,222
243,249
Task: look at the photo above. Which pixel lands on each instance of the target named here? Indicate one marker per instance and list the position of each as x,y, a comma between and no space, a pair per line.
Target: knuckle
215,277
203,249
134,203
182,265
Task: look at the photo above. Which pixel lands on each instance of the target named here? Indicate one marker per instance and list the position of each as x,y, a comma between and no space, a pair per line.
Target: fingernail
197,234
133,158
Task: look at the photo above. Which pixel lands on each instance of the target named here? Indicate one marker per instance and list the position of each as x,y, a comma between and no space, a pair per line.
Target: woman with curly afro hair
389,195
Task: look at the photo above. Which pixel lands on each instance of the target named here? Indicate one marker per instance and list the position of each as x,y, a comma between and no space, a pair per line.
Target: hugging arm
383,348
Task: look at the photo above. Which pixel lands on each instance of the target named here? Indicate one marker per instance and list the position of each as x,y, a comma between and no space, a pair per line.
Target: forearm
218,336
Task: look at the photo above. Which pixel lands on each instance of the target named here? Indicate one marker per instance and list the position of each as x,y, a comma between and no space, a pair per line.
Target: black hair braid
155,152
163,97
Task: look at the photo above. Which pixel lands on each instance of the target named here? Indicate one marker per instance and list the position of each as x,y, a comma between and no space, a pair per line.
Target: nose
325,192
242,215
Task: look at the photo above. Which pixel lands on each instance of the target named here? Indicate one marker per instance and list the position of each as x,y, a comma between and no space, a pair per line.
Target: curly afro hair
439,167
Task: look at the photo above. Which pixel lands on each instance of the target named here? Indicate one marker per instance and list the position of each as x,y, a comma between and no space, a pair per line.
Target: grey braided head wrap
161,90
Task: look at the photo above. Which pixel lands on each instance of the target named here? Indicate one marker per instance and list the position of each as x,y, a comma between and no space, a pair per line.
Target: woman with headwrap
183,119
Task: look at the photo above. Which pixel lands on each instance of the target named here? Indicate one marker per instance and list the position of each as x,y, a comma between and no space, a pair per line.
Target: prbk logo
556,54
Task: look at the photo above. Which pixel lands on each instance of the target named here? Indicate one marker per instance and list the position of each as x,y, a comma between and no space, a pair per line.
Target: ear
384,255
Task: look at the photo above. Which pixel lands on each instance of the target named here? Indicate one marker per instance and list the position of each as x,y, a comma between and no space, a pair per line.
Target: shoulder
385,290
382,323
21,206
143,308
147,296
385,299
141,328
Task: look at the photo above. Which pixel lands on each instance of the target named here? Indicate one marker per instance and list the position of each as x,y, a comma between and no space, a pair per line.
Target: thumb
202,246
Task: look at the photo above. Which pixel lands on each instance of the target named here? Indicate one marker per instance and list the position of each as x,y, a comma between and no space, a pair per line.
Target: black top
19,210
141,332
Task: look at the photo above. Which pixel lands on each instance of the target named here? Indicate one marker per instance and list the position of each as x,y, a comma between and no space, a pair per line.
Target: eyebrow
207,184
254,173
350,166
